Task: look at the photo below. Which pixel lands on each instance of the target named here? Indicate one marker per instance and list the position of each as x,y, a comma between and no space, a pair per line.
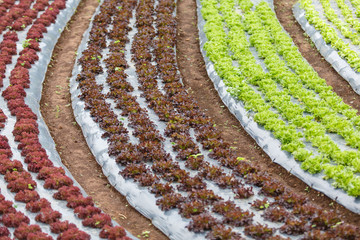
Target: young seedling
57,111
145,234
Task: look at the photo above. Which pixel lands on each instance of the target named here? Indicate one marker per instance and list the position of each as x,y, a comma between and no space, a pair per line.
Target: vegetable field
39,199
132,93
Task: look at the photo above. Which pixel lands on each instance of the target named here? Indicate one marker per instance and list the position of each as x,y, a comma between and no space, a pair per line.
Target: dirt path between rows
70,143
194,75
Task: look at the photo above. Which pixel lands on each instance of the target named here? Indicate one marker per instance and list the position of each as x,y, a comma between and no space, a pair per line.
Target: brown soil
70,143
194,75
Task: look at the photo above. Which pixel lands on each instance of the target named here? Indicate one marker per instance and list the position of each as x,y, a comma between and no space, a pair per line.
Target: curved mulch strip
71,145
200,86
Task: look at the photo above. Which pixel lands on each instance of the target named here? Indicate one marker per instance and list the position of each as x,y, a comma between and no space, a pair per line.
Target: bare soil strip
194,75
76,156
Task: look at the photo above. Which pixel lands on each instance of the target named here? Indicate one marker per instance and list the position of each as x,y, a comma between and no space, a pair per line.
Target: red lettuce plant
257,178
38,236
243,192
290,199
97,221
79,200
147,179
27,196
14,219
46,172
67,191
202,222
48,215
59,227
294,226
113,233
21,184
260,204
36,206
223,207
176,175
73,234
191,183
259,231
6,165
221,232
238,217
169,201
86,212
14,92
37,164
6,207
272,188
11,35
347,231
211,172
227,181
24,230
276,214
325,219
133,170
160,189
188,209
57,180
318,235
205,195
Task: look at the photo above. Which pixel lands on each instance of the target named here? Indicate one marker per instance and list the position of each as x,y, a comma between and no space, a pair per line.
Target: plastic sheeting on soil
37,76
331,56
169,222
264,138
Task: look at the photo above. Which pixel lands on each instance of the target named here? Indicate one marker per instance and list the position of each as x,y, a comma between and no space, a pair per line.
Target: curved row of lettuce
286,96
347,24
348,14
39,199
348,29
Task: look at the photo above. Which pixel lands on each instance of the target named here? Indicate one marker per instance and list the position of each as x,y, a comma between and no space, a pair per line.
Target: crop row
330,35
142,107
26,23
346,26
356,5
348,14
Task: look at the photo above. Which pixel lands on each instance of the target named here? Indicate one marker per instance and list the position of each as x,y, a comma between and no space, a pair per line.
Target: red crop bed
148,162
156,134
35,17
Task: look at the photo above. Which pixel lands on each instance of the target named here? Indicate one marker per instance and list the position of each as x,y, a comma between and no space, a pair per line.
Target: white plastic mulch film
140,198
33,96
